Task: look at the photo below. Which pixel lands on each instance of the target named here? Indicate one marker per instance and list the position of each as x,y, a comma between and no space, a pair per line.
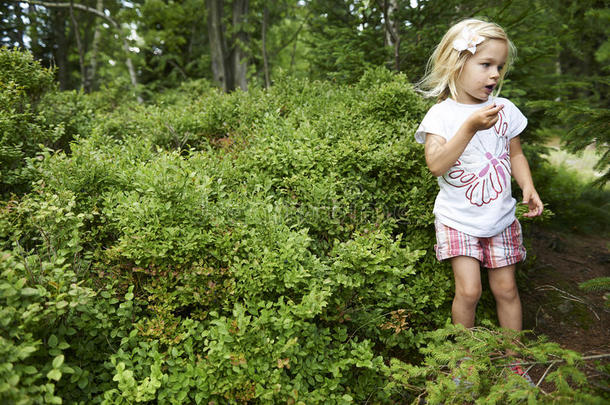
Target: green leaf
20,283
25,351
52,399
83,382
53,341
13,380
61,304
54,374
29,291
67,370
30,370
54,352
58,361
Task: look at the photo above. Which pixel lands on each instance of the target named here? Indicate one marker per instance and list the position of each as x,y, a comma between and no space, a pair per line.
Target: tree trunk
240,39
392,36
79,45
264,35
218,45
229,64
91,82
131,69
387,38
60,56
395,32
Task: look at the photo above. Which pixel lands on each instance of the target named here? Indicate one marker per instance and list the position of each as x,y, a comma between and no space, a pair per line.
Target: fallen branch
568,259
545,372
566,295
585,358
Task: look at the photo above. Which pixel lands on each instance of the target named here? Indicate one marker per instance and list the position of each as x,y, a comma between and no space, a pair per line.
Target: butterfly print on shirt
484,182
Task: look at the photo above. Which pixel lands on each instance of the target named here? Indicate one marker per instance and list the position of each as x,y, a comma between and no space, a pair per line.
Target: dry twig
585,358
545,372
567,296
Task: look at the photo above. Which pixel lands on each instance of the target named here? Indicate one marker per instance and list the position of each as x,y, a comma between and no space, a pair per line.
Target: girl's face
481,72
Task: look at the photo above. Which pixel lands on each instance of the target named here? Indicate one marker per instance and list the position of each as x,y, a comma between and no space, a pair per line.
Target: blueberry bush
272,246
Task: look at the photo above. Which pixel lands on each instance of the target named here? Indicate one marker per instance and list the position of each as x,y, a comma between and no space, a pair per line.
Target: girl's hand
531,198
484,118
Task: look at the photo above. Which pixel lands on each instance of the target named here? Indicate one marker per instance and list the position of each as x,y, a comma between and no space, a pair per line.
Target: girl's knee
470,293
506,291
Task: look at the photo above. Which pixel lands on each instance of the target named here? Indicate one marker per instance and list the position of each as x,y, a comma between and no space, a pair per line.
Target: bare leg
504,288
466,271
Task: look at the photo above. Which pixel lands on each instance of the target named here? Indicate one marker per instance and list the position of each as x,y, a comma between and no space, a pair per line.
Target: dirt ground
555,306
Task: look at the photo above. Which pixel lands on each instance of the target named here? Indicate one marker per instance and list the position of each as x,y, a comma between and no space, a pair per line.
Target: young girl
472,145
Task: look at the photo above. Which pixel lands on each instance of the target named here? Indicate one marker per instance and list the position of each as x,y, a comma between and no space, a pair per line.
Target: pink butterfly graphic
486,184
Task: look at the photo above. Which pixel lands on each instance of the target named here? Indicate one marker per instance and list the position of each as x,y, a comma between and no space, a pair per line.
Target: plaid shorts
500,250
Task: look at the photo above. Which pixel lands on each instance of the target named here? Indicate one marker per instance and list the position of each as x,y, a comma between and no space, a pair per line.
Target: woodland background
560,78
222,201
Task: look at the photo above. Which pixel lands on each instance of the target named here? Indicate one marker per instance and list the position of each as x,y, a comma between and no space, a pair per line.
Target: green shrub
56,333
260,247
70,113
24,77
578,205
23,82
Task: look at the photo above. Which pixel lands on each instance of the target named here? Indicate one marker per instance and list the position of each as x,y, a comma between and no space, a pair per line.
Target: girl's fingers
486,116
494,109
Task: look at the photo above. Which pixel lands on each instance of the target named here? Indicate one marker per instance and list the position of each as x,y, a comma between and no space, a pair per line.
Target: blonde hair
445,65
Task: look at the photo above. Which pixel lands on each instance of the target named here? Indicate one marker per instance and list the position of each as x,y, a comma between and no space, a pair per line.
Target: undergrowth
263,247
579,205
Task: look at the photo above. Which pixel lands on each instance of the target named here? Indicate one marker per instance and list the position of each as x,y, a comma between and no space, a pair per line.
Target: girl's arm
521,173
442,154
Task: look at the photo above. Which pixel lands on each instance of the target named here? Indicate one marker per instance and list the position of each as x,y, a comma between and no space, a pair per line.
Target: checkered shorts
500,250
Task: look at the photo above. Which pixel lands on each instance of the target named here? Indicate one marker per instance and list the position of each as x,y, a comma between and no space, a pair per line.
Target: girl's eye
485,64
500,68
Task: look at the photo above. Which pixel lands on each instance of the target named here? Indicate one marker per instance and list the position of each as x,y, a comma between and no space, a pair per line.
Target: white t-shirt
475,193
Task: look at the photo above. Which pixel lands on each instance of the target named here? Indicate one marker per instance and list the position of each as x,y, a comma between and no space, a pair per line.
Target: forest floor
554,305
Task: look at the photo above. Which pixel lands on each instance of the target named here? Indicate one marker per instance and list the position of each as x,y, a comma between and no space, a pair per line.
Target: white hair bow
468,39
